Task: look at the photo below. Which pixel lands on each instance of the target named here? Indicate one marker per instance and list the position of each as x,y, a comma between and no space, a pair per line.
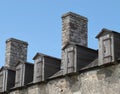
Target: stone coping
16,40
75,15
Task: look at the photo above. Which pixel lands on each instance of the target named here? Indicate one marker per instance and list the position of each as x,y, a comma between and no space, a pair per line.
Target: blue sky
39,22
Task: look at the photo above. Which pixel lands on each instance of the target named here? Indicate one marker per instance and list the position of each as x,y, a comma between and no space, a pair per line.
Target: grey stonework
74,29
15,50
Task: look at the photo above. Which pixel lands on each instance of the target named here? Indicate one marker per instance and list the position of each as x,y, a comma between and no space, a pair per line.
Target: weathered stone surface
100,81
15,92
74,29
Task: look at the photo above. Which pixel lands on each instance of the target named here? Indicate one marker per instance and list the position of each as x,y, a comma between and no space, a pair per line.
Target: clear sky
39,22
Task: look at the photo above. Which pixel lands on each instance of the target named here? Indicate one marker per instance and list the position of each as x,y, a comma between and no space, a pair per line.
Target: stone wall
102,80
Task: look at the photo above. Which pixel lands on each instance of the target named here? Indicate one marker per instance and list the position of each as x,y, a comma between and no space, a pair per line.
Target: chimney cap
16,40
75,15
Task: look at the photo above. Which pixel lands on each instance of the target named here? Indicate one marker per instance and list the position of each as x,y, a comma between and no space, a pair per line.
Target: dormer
7,79
77,57
45,66
109,46
24,73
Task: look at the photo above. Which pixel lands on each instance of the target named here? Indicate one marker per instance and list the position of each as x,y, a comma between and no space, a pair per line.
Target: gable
19,63
69,45
38,55
103,32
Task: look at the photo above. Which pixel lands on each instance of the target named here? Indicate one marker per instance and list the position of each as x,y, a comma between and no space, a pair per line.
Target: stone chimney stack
74,32
74,29
15,50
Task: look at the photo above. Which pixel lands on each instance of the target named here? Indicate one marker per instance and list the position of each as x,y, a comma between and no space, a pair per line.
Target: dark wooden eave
5,68
44,55
23,62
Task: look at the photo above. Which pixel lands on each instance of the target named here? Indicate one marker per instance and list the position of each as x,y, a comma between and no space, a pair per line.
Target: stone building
81,70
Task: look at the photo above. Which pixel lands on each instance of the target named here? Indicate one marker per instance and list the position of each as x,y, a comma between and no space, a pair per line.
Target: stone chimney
74,29
15,50
74,32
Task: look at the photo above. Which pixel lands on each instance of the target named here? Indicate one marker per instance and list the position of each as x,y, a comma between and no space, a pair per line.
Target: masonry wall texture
98,81
74,29
81,70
